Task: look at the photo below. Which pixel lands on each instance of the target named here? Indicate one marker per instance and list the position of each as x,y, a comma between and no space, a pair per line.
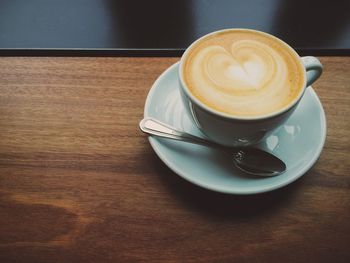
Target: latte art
243,73
248,66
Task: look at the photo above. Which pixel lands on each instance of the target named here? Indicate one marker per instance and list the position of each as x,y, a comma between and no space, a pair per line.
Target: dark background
142,28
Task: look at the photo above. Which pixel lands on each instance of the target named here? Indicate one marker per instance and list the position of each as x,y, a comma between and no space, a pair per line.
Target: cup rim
237,117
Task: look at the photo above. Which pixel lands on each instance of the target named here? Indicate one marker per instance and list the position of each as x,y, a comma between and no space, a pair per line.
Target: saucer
298,143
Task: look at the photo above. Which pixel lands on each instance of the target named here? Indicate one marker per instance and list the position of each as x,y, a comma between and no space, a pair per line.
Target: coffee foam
243,73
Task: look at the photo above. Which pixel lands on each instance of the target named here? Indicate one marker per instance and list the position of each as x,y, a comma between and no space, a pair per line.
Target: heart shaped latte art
249,78
243,69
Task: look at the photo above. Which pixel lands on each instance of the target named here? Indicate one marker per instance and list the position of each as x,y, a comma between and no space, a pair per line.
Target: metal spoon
250,160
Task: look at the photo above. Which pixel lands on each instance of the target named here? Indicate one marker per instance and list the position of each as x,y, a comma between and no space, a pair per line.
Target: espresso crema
243,73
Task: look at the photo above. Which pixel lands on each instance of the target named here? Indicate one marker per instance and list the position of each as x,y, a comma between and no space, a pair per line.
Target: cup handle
313,68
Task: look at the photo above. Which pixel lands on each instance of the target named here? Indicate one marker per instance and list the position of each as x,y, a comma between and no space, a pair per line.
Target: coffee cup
239,85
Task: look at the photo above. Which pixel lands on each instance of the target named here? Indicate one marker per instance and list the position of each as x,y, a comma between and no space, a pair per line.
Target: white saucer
298,143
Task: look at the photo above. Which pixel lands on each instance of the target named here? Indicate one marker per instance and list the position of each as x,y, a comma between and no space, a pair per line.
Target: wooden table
80,183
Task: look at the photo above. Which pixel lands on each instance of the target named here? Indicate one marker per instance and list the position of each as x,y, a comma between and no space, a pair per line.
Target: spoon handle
154,127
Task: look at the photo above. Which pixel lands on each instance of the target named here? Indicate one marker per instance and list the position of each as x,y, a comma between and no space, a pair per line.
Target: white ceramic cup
242,131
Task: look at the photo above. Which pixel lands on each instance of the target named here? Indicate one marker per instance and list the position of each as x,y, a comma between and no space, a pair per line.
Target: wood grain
80,183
